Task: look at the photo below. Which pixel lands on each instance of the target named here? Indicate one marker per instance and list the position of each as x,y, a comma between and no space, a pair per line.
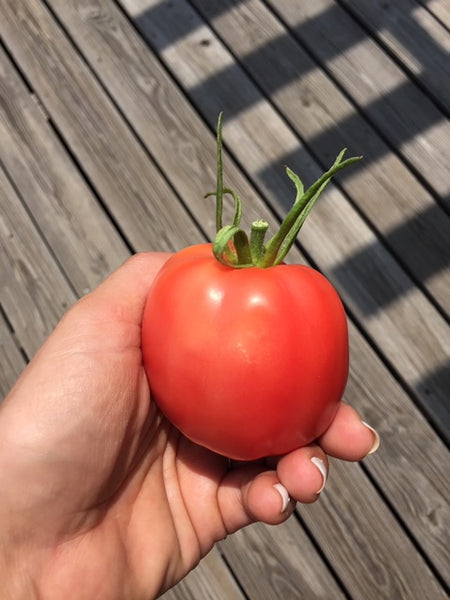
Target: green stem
242,246
219,171
280,244
231,246
257,248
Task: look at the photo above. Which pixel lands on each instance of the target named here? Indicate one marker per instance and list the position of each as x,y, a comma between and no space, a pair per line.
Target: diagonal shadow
438,412
279,63
364,272
414,39
380,289
431,227
353,131
417,43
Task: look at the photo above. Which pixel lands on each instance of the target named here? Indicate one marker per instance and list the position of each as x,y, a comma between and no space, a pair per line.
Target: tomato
247,362
246,355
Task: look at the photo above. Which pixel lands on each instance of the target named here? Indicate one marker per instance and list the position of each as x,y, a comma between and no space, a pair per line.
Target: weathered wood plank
34,293
418,41
440,9
377,290
104,53
411,465
275,562
211,580
389,581
401,210
350,549
173,133
12,362
128,182
81,236
403,113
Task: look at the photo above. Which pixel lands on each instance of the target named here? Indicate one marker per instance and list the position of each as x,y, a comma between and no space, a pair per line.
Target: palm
101,496
110,464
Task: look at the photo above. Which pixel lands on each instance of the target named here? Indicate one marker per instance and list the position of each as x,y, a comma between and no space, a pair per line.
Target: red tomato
246,362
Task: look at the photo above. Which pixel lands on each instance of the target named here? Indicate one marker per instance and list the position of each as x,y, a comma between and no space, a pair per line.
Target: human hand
101,496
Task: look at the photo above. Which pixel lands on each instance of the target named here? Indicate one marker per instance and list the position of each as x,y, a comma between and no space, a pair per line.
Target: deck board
12,362
55,194
275,562
129,183
440,9
346,58
107,145
349,253
211,580
419,43
35,294
402,113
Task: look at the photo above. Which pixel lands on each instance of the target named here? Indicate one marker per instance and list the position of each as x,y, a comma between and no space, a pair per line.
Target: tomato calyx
233,247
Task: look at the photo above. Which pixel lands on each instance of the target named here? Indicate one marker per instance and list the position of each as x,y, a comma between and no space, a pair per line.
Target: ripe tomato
247,362
246,355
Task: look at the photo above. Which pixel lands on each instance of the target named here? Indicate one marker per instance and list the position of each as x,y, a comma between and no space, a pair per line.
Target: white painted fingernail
376,438
285,498
318,462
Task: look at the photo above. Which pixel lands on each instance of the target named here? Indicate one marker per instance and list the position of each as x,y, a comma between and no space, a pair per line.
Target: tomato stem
232,246
280,244
219,172
258,234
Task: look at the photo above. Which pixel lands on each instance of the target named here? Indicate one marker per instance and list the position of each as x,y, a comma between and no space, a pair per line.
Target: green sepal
231,246
280,244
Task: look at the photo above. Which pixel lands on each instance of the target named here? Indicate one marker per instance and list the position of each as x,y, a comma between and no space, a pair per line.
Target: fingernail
318,462
376,438
285,498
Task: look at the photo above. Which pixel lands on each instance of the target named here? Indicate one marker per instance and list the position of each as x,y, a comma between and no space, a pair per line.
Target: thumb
126,289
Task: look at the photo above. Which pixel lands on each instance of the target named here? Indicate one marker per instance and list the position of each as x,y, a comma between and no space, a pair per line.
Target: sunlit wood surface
107,147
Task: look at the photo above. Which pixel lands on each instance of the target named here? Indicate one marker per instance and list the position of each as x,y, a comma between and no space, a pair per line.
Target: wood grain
107,143
440,9
359,560
411,465
418,41
400,110
12,361
64,208
35,293
415,228
211,580
122,173
373,284
279,562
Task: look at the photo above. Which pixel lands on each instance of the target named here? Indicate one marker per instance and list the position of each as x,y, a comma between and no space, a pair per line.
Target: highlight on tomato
244,354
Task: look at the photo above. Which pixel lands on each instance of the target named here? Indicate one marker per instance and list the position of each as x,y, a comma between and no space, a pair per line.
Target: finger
249,494
348,437
303,473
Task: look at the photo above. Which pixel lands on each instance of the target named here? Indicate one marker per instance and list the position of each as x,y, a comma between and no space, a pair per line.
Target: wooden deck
107,145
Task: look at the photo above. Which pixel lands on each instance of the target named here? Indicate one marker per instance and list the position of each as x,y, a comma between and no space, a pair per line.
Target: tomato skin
247,362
